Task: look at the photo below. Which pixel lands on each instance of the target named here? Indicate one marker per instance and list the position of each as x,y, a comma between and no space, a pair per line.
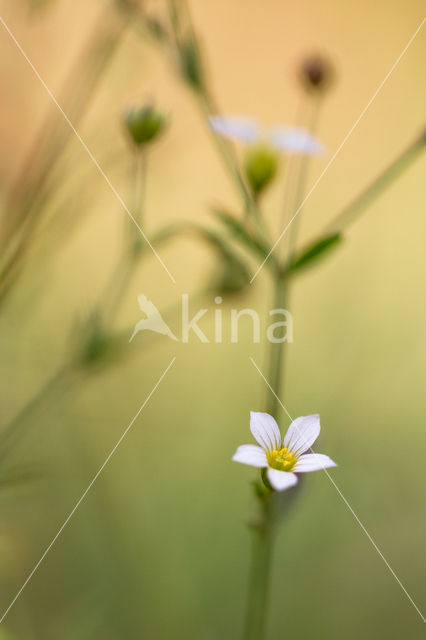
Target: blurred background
159,548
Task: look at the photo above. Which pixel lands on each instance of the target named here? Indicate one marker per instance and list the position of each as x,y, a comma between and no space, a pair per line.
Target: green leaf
316,251
232,275
241,233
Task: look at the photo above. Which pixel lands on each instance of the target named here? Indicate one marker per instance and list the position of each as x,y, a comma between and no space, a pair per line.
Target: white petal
250,454
313,462
302,433
265,430
242,129
295,140
281,480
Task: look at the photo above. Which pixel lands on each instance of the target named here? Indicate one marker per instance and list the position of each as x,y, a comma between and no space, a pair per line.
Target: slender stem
376,188
290,171
111,296
277,350
10,433
141,172
258,589
301,182
227,154
263,534
208,105
25,204
126,265
254,627
282,293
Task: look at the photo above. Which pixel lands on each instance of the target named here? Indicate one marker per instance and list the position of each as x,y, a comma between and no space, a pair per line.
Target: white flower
283,459
290,139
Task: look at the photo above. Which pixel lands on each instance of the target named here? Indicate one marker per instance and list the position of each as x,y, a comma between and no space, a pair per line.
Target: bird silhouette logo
153,320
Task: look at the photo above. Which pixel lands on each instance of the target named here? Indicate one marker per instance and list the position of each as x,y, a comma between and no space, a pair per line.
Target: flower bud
316,73
191,65
144,124
260,166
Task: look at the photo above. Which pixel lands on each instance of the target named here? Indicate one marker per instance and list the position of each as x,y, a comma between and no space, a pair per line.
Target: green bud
190,62
260,166
144,124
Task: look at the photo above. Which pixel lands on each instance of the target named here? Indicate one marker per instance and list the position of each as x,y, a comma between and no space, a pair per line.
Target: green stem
282,293
263,534
208,105
226,152
11,432
376,188
141,172
258,590
301,182
25,203
291,168
126,265
277,350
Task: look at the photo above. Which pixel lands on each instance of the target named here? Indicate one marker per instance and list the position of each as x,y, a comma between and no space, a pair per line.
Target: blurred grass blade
25,205
316,251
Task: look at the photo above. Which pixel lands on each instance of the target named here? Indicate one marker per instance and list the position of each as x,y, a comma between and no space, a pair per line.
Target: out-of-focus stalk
24,208
10,434
378,185
305,162
134,245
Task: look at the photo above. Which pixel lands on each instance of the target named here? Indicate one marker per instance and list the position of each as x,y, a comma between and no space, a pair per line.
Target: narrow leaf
232,275
241,233
316,251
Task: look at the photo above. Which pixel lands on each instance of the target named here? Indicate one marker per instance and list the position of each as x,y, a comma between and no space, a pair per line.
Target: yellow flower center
282,459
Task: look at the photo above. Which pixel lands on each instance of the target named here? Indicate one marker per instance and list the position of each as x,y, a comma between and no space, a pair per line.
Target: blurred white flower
283,459
287,139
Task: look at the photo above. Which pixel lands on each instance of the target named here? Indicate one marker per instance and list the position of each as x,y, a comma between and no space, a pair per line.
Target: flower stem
305,162
281,296
276,350
257,601
227,153
133,244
